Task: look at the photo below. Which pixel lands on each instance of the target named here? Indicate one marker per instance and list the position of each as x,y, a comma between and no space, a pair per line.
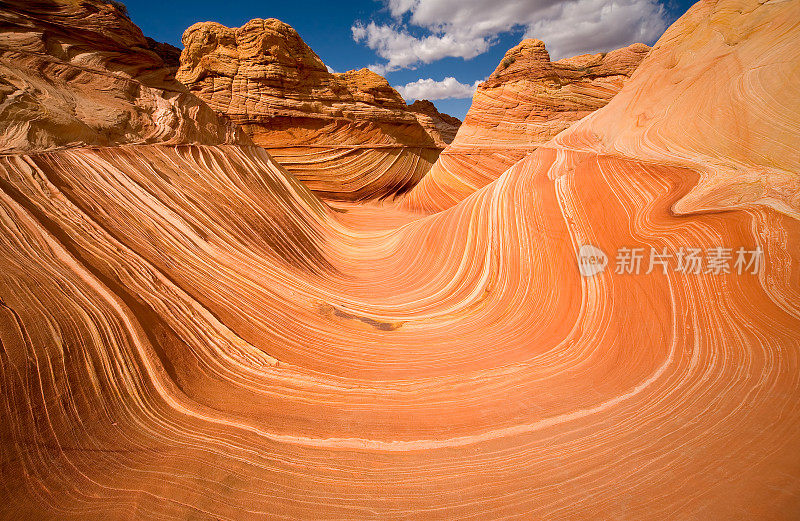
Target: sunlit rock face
347,136
75,74
739,134
189,333
525,102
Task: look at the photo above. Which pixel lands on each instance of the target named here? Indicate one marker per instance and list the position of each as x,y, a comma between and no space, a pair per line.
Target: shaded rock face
169,53
434,121
525,102
81,73
346,135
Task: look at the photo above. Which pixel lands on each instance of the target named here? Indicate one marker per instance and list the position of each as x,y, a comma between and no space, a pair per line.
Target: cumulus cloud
598,25
431,89
402,50
468,28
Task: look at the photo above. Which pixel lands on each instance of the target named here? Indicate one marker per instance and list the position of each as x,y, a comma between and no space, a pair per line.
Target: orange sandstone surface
188,332
78,73
524,103
347,136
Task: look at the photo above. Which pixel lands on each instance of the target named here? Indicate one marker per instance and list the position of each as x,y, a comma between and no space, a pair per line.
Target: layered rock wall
525,102
345,135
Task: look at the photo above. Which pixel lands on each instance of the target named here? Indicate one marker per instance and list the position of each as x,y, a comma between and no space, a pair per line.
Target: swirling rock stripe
188,332
168,375
357,173
524,103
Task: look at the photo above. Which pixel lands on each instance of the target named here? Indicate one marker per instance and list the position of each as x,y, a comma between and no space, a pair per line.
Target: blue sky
412,40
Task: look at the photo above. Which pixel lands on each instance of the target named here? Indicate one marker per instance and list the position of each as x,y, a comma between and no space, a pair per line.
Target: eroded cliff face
442,126
187,332
346,135
81,73
524,103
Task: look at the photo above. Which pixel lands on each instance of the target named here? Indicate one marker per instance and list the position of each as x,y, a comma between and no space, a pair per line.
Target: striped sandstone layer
525,102
347,136
188,333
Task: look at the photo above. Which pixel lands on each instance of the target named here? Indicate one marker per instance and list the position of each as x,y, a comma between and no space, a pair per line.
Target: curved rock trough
189,332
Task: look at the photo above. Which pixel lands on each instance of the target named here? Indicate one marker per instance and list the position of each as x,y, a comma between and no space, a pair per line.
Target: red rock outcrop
187,332
442,126
345,135
525,102
81,73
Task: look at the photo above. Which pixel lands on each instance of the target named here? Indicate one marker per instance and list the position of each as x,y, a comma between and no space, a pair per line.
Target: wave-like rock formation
189,333
442,127
347,136
76,74
525,102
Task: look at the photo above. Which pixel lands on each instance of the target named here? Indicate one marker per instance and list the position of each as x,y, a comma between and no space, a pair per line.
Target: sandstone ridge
81,73
526,101
346,135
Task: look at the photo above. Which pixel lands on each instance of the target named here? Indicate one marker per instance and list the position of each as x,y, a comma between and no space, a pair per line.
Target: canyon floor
235,285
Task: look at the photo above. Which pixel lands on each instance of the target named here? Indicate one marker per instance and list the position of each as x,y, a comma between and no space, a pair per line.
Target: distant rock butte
434,121
524,103
346,135
81,73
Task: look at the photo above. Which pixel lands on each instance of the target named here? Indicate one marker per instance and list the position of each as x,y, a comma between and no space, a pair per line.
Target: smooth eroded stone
347,136
187,332
525,102
81,73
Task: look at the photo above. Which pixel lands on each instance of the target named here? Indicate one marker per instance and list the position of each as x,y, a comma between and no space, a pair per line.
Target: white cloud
598,25
380,68
467,28
431,89
402,50
330,69
359,31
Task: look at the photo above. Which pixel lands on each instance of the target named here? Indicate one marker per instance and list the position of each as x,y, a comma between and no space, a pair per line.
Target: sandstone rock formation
442,127
347,136
81,73
170,54
740,135
187,332
525,102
